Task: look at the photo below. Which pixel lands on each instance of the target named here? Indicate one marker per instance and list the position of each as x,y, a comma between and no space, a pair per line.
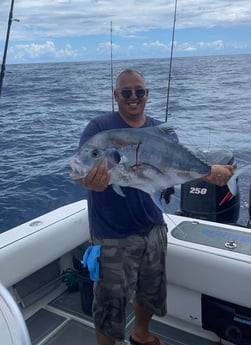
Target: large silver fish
144,158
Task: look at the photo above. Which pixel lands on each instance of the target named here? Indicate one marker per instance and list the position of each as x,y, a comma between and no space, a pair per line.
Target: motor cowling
207,201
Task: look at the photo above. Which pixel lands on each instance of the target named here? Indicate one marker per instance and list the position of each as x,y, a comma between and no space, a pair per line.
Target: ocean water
44,108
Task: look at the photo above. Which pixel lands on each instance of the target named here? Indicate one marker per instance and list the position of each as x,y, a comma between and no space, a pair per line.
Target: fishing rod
249,221
112,70
6,45
171,60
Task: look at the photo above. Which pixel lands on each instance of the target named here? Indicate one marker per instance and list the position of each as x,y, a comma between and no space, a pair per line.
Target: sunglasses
127,93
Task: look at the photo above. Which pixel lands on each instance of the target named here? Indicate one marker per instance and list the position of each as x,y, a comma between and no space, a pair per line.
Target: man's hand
220,174
97,179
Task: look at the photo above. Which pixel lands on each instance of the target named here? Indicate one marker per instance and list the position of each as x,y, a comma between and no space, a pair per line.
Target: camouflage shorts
132,266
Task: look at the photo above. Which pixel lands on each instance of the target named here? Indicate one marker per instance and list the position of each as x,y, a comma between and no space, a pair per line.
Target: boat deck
62,321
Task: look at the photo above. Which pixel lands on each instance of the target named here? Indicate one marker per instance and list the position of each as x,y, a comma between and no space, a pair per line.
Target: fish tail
232,183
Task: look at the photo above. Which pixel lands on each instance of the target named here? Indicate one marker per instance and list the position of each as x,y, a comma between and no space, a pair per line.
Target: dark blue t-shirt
112,215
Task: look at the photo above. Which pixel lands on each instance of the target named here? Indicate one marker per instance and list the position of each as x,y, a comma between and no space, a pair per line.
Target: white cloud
63,29
212,46
106,46
34,50
186,47
206,13
158,44
219,44
49,19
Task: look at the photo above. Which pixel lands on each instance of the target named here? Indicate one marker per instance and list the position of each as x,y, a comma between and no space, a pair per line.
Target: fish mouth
77,169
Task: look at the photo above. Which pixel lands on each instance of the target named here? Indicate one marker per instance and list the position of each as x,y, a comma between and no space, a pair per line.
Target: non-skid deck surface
70,302
43,323
55,329
73,333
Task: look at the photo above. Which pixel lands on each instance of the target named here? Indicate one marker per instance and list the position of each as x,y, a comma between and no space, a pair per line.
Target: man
131,231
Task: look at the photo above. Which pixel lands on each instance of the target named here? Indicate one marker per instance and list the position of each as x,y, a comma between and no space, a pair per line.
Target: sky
80,30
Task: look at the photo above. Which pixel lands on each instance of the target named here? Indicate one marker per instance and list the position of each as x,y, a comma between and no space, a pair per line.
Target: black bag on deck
84,281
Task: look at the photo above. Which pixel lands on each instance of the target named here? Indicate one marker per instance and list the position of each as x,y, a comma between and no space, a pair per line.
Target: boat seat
13,329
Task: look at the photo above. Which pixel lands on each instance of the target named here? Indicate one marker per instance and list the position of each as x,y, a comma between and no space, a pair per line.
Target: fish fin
165,129
158,200
232,183
118,190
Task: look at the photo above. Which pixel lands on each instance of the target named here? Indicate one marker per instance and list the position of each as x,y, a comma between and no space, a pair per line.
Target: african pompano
144,158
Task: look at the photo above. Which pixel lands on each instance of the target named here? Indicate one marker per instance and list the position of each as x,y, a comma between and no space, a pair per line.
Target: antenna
112,70
6,45
171,60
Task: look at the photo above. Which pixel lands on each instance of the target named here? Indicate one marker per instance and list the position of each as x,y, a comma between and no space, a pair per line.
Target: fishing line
169,86
112,69
170,62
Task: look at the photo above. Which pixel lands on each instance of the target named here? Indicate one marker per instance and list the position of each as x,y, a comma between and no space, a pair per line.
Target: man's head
131,93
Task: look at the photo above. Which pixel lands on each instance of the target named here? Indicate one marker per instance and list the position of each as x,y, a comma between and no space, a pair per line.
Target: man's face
131,95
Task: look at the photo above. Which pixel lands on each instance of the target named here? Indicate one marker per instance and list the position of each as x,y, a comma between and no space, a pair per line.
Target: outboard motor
207,201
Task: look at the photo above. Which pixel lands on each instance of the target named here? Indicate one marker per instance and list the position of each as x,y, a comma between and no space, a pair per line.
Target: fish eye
95,153
116,156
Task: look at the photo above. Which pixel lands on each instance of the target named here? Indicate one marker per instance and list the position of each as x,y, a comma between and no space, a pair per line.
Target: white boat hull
32,245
